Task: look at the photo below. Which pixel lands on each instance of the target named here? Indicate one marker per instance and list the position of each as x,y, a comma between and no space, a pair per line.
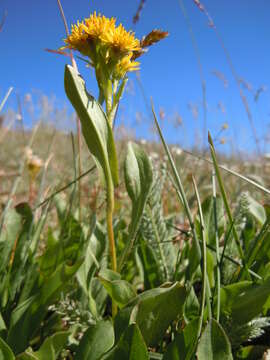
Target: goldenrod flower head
78,39
121,41
125,65
96,26
108,46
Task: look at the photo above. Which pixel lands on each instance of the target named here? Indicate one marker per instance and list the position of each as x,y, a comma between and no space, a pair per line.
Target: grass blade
225,199
205,284
217,244
179,185
5,98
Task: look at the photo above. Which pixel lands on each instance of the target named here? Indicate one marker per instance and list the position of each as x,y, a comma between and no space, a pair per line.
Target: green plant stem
109,218
225,199
217,244
205,285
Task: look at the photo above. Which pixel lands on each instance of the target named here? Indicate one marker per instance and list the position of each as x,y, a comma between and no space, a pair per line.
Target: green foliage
157,251
192,284
50,349
96,341
214,343
120,291
5,351
184,344
131,346
96,129
153,311
138,179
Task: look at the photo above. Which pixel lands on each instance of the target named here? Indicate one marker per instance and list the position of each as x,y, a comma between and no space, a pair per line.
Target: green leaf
120,291
94,259
96,341
214,343
153,311
138,179
158,254
95,126
184,344
49,350
131,346
243,301
5,351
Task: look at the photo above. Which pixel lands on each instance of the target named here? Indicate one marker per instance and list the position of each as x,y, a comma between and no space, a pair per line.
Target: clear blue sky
169,72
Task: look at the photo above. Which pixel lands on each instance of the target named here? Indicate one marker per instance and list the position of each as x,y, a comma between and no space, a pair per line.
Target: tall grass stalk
205,281
183,199
225,198
217,243
179,185
5,98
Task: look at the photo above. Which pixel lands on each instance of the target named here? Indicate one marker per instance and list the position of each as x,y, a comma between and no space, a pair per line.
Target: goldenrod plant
168,258
111,51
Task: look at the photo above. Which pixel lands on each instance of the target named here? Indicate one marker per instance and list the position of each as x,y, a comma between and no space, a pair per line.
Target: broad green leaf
138,180
109,274
184,344
5,351
243,301
95,126
131,346
121,291
49,350
214,343
96,341
153,311
93,261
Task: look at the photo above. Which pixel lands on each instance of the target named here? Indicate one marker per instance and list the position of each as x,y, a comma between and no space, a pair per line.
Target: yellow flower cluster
105,44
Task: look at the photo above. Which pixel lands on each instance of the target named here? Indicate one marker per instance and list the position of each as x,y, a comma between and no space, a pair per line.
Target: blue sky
169,71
